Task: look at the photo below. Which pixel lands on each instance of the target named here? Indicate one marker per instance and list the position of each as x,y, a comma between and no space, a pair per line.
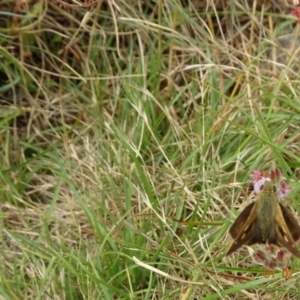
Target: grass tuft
128,133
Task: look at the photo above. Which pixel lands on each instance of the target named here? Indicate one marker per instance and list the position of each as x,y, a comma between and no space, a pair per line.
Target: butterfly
265,221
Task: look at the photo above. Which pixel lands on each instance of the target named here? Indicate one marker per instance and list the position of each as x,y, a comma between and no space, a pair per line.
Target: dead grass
118,120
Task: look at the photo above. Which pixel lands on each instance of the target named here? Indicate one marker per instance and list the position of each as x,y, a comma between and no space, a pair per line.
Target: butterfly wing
244,229
235,228
291,222
284,237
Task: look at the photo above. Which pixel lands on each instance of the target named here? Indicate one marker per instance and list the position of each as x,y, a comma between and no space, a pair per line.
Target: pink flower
257,175
259,178
270,248
270,258
280,255
259,255
284,189
296,13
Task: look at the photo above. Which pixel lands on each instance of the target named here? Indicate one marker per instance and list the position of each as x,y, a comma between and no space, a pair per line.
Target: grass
117,122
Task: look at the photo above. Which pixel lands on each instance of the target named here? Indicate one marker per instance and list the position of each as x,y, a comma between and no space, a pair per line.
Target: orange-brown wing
244,229
239,222
284,237
291,222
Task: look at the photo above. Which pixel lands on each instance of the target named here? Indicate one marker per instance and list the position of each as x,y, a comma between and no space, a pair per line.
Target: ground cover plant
129,131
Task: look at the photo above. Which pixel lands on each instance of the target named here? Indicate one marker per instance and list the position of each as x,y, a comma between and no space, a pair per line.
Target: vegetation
129,130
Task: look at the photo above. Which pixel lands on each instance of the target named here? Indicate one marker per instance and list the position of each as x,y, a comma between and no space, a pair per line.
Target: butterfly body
266,222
